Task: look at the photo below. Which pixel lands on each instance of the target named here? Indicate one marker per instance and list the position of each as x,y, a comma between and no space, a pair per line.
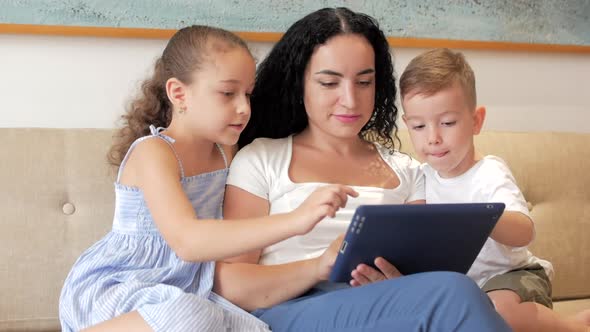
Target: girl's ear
176,92
478,118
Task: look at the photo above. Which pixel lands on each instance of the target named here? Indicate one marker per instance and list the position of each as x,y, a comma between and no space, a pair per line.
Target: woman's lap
437,301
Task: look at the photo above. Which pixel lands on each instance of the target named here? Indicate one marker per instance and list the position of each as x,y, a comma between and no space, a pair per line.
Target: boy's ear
479,115
176,91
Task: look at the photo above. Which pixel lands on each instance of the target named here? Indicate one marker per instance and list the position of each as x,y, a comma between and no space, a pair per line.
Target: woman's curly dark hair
277,98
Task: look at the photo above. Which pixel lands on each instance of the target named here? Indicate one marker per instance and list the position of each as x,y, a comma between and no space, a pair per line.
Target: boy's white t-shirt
262,169
489,180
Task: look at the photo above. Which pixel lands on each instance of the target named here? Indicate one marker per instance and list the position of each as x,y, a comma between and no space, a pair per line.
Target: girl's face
218,100
339,86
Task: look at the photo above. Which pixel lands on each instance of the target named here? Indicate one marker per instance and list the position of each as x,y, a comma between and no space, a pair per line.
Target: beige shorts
529,282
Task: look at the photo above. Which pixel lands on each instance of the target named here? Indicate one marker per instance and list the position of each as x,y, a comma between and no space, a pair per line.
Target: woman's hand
323,202
364,274
325,262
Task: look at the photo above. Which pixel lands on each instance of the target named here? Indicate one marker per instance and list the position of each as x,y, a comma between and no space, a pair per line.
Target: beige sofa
57,199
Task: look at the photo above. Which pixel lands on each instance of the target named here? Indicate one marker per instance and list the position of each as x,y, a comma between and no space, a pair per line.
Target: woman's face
339,86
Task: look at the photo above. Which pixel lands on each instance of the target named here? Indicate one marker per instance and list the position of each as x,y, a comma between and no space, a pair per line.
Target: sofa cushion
44,170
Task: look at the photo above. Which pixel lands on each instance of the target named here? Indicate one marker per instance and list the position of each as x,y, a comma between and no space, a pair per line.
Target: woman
325,98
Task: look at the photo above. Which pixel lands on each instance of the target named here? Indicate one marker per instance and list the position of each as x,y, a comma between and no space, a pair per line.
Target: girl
154,270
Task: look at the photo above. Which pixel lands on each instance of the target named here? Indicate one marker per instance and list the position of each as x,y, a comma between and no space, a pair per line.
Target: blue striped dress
132,268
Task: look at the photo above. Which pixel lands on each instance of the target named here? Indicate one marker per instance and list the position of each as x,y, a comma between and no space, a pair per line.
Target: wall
85,82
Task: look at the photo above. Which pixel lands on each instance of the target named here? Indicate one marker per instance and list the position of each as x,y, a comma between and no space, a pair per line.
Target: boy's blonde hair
438,69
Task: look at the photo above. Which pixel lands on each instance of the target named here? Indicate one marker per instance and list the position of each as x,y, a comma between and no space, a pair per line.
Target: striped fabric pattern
133,269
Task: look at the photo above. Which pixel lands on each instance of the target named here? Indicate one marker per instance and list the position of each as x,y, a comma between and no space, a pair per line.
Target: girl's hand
323,202
326,261
364,274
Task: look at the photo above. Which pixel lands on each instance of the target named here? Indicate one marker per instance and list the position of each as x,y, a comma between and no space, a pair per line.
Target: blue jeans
435,301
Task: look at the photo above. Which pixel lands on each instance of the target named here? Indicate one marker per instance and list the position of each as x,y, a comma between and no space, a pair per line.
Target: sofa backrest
57,199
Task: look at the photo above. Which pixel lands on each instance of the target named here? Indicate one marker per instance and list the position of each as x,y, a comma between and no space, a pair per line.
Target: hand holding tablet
416,238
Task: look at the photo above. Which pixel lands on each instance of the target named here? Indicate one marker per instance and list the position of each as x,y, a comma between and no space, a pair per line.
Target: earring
182,110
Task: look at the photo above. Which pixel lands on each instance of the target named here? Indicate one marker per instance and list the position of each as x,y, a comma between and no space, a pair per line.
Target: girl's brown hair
184,54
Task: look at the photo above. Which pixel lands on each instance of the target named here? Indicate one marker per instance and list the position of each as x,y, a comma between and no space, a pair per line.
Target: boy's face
442,127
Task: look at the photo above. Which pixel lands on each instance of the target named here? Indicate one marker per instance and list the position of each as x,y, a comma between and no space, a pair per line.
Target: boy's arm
513,229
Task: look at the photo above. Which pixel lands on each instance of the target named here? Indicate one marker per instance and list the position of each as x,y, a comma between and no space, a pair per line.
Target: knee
512,313
505,301
458,287
457,282
508,311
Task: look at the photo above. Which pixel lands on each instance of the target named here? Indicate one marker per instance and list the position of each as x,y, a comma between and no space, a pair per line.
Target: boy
439,102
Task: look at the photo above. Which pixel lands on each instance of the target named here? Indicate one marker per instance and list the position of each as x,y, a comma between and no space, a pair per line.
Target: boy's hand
323,202
364,274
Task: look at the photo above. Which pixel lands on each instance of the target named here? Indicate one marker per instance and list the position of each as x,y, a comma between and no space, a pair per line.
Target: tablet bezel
416,238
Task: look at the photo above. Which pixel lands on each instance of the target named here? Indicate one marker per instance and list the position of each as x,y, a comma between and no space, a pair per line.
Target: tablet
416,238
